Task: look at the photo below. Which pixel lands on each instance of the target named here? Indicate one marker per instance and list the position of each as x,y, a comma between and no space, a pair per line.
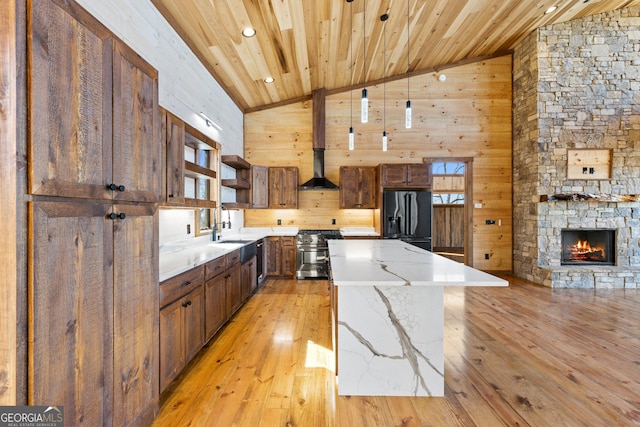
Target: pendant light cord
351,53
408,47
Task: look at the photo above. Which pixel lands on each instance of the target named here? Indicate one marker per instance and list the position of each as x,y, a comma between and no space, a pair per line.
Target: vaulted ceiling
310,44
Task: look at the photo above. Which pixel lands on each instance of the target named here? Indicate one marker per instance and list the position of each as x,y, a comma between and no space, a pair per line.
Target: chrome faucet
214,230
228,223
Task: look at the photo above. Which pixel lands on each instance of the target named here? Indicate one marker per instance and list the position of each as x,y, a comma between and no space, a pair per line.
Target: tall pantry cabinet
94,179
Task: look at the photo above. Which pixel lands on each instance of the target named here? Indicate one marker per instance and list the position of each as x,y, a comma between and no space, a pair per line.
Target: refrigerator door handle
408,229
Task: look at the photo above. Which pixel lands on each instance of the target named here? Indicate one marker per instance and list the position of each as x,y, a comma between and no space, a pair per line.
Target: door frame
468,200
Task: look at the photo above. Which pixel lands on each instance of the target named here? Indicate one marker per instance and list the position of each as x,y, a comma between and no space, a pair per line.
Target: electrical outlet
188,228
333,221
279,222
486,256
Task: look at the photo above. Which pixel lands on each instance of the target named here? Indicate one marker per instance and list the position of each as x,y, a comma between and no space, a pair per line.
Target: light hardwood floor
518,356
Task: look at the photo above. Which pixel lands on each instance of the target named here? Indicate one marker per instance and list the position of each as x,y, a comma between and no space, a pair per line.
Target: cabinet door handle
186,304
114,216
187,283
114,187
122,216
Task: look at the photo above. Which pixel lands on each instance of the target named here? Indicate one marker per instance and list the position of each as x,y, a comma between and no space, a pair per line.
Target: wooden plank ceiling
306,44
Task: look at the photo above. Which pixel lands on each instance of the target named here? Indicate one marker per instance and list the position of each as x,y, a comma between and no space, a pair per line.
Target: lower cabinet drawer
180,285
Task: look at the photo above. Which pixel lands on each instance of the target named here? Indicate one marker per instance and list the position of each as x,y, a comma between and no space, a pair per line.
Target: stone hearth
577,85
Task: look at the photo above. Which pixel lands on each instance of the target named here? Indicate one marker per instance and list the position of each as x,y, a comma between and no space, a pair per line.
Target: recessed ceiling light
268,80
550,10
249,32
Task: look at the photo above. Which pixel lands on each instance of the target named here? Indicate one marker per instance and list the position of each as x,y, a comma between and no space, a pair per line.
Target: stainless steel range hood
319,181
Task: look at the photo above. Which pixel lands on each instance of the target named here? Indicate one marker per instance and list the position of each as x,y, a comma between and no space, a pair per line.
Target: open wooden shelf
235,205
197,203
241,183
235,162
196,171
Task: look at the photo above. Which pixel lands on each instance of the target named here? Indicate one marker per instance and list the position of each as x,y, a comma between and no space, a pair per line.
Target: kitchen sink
247,251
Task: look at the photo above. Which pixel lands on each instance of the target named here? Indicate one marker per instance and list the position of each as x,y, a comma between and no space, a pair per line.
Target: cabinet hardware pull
114,215
114,187
185,304
187,283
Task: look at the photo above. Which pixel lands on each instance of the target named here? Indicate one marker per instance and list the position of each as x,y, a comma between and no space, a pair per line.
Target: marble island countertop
358,231
180,256
396,263
388,316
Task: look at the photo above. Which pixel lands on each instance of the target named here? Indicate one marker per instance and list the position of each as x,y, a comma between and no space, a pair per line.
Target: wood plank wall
8,204
467,115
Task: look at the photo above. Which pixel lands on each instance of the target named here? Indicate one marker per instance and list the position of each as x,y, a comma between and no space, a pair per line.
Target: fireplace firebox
582,246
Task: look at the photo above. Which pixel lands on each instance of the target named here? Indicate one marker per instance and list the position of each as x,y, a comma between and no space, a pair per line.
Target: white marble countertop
396,263
358,231
183,255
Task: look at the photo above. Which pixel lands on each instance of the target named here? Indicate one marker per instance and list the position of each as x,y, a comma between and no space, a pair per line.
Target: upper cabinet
259,187
94,122
192,162
174,136
358,187
283,187
405,175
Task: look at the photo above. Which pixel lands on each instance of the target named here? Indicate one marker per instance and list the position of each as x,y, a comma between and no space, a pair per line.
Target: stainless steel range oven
312,253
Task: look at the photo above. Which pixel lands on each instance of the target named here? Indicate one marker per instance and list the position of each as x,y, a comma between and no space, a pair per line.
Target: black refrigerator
407,216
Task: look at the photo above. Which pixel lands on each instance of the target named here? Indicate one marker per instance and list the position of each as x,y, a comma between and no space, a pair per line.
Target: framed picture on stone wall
589,164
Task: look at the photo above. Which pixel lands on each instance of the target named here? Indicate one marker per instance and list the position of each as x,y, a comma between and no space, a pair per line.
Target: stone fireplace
577,86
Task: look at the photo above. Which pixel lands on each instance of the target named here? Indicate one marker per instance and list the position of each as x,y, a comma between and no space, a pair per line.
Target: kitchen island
388,316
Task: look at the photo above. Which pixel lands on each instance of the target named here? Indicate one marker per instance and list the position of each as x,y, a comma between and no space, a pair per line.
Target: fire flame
582,247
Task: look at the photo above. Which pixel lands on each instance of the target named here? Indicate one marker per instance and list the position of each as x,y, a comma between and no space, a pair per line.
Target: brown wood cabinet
181,322
94,110
281,256
233,287
215,297
174,139
259,187
94,310
249,278
283,187
358,187
406,175
94,138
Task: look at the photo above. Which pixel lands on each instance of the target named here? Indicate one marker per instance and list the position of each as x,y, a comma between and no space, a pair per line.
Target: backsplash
174,224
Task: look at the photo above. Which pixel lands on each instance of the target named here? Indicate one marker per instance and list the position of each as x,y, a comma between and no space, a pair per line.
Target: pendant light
407,116
364,114
384,18
351,135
